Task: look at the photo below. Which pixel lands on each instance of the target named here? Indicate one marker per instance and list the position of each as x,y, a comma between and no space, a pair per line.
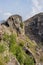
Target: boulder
14,22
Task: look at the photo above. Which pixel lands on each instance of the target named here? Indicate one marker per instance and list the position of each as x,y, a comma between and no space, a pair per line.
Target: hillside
17,46
34,27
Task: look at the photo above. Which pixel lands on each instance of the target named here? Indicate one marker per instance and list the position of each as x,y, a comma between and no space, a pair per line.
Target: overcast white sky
25,8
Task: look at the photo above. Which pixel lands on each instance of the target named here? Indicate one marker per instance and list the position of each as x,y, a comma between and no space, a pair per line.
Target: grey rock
34,27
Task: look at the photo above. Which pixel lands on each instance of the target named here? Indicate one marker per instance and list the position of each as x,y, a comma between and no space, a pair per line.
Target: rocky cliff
13,22
34,27
20,40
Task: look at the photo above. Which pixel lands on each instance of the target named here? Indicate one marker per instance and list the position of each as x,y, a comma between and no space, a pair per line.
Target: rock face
34,27
14,22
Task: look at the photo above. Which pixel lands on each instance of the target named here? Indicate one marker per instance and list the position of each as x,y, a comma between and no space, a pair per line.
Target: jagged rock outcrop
14,23
34,27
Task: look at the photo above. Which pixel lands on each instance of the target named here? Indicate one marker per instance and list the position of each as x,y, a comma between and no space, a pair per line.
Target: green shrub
21,43
5,37
21,56
28,60
10,39
17,50
2,48
18,53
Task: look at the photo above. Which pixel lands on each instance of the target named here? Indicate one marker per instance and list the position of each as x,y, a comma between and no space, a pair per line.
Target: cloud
34,11
1,11
37,7
37,4
7,14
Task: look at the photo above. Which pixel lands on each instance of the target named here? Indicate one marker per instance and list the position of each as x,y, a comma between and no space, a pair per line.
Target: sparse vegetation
17,51
21,42
5,37
28,60
2,62
6,59
2,48
20,55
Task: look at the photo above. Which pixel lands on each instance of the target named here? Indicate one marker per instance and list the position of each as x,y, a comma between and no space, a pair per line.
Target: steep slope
18,41
34,27
34,31
12,43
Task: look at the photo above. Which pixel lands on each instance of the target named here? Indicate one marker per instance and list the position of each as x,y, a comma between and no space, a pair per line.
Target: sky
25,8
